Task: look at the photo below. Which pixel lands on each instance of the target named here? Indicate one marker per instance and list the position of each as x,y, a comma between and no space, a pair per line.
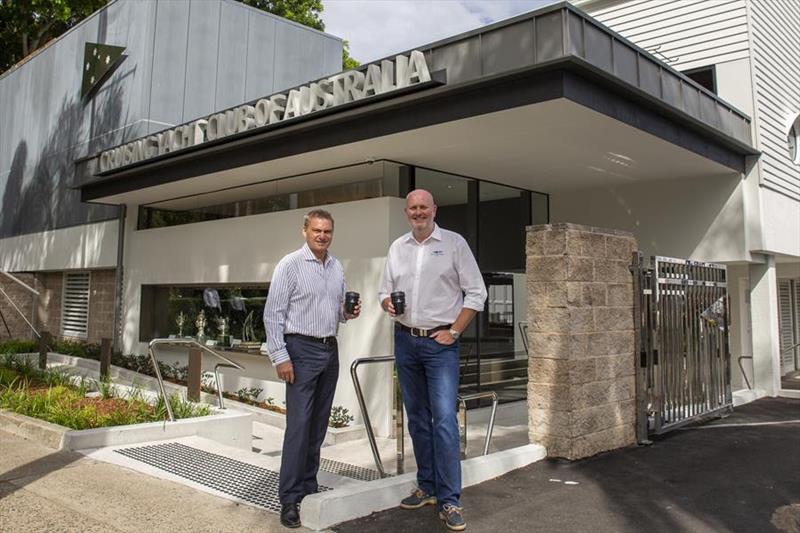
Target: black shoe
290,515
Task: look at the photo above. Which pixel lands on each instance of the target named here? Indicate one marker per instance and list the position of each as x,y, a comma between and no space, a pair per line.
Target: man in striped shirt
301,317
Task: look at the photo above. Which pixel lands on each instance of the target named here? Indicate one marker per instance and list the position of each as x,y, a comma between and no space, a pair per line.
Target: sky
379,28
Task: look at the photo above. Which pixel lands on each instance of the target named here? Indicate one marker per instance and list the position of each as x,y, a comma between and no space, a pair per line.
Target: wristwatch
455,333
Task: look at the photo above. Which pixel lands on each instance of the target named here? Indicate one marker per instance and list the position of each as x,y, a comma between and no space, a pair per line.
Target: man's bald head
421,212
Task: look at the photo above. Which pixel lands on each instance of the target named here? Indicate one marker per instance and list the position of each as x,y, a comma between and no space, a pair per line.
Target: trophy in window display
200,322
224,338
249,341
180,321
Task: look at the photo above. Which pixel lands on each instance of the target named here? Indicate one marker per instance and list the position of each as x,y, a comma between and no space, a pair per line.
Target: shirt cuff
281,356
475,305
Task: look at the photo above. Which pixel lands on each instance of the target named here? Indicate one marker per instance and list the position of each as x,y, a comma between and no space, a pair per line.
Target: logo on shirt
437,252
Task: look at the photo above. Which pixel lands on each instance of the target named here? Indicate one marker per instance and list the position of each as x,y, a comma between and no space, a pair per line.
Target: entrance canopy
551,101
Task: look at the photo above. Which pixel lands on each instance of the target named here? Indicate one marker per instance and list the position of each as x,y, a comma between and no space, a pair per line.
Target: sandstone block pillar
581,373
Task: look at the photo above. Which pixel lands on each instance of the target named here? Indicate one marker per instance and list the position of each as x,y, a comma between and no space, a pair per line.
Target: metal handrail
462,400
17,309
523,331
187,342
744,375
368,425
739,361
790,348
362,405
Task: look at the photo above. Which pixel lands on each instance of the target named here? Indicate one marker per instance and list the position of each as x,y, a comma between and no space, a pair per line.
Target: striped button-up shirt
306,296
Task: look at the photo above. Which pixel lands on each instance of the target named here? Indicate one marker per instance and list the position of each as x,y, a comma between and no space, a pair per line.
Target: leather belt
327,341
421,332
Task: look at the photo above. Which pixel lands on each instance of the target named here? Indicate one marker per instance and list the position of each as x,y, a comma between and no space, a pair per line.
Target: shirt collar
436,235
308,255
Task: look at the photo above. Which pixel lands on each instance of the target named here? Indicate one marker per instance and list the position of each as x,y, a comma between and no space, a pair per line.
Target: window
344,184
794,143
75,305
214,314
704,76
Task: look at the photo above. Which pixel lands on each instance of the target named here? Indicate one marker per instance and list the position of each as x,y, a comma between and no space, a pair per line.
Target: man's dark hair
317,213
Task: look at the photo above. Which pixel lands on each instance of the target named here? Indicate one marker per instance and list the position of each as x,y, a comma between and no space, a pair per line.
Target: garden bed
66,410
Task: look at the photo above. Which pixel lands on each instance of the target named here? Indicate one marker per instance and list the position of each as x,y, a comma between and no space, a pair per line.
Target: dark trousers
308,408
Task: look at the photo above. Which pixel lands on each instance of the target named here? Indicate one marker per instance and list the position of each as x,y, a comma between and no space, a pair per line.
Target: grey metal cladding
507,48
332,59
691,99
575,36
461,59
549,36
169,64
598,47
625,66
232,62
201,59
260,56
169,76
297,55
671,89
649,76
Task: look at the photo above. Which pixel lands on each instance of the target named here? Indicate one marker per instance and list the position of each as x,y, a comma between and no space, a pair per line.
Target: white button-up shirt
439,277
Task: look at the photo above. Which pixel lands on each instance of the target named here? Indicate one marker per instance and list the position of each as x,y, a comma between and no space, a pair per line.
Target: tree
27,25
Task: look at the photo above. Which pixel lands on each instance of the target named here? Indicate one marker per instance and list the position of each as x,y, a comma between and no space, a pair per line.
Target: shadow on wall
40,197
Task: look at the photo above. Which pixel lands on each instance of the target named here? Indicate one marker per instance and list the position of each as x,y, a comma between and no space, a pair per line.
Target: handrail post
188,342
462,400
44,338
362,405
160,382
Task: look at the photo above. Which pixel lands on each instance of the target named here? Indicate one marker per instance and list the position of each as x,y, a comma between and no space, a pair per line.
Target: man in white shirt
301,317
444,289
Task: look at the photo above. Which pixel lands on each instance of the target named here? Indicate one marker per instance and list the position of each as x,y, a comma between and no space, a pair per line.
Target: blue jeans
428,373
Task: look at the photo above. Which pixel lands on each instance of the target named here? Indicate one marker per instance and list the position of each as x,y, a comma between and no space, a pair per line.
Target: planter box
123,376
230,428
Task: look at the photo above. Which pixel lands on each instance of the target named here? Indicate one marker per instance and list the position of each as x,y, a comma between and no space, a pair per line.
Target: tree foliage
27,25
305,12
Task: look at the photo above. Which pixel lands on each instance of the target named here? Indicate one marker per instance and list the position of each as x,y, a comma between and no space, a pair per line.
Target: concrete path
44,491
739,474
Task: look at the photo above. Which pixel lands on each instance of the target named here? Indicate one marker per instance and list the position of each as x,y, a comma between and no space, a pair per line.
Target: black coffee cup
399,302
350,302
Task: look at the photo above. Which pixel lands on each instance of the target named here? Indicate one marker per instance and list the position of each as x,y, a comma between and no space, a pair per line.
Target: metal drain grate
348,470
247,482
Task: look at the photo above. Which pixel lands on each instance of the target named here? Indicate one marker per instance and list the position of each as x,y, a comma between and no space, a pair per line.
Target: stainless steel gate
682,324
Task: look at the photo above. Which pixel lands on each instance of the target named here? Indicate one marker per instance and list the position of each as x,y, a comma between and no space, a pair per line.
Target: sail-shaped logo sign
379,78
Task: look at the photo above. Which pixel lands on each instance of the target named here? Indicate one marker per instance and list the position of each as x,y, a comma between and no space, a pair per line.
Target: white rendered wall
781,223
699,218
86,246
764,316
246,250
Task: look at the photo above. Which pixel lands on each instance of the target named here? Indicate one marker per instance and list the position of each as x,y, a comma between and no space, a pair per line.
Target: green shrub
340,417
19,346
249,394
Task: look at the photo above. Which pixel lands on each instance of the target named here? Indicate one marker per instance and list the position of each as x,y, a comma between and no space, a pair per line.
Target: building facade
546,117
746,52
